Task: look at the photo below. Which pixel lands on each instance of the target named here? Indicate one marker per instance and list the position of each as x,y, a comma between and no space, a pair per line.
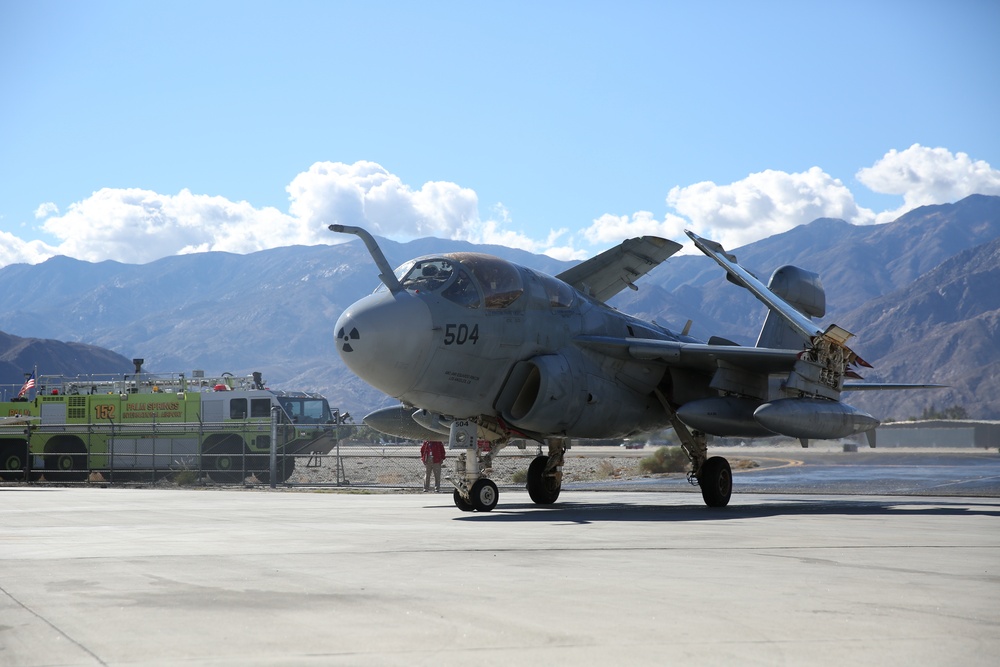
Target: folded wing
607,274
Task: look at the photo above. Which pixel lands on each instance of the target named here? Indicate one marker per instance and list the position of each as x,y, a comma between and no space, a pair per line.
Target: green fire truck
144,424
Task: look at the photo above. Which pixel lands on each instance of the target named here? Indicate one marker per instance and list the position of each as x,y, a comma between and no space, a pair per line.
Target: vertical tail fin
803,291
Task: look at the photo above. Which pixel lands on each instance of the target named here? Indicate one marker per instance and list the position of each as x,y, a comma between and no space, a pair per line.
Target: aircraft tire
542,491
461,503
484,495
716,482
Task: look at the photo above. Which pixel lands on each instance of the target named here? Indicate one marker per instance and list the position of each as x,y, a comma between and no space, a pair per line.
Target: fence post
341,477
274,445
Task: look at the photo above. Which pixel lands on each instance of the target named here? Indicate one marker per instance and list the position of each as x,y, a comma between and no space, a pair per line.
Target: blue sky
134,130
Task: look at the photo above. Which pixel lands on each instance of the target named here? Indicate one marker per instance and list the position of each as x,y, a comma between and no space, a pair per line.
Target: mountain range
22,356
921,293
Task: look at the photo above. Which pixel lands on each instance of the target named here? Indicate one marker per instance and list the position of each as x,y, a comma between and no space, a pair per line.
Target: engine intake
542,394
569,393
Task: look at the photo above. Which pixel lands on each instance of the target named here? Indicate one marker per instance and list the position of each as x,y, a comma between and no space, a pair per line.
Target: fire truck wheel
65,460
286,466
224,460
12,458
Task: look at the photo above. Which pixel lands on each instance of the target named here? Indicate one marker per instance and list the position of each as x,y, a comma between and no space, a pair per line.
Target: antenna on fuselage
387,276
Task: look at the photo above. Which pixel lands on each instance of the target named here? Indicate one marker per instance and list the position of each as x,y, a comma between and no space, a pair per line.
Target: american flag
28,385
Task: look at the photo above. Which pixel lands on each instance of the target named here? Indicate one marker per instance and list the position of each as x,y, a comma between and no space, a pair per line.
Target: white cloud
763,204
611,229
365,194
492,232
567,253
14,250
924,176
137,226
133,225
45,210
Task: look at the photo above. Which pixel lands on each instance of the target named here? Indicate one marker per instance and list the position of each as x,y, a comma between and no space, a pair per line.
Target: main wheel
541,489
484,495
461,503
716,482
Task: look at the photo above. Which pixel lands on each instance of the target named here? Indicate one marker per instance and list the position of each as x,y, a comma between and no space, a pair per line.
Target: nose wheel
483,496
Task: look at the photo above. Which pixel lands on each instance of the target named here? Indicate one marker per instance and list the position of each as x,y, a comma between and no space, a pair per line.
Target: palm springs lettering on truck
158,410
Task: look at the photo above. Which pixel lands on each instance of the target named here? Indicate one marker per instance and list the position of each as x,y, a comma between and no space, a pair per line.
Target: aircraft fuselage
478,335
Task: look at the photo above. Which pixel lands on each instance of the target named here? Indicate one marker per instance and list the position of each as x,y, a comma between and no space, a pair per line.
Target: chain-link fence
230,453
361,464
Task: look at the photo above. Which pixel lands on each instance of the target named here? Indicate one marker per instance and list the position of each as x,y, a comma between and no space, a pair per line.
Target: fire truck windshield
306,410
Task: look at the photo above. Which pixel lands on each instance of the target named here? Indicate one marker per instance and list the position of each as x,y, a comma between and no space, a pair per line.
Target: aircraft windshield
306,410
499,280
428,275
457,275
443,275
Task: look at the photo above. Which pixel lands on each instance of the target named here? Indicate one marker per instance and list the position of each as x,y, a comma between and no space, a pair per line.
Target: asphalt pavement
92,576
830,470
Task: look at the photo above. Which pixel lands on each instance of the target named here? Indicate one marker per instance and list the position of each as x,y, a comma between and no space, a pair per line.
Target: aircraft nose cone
385,339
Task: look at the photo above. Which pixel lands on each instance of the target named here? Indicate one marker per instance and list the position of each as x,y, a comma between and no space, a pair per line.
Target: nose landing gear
474,491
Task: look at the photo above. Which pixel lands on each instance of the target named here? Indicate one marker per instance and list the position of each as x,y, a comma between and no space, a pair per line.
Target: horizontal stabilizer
613,270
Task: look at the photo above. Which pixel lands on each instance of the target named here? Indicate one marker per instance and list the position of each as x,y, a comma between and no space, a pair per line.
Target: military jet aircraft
478,348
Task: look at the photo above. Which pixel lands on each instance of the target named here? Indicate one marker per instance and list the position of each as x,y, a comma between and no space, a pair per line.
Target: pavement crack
51,625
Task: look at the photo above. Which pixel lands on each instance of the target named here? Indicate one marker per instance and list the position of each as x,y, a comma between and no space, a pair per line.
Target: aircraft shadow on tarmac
578,513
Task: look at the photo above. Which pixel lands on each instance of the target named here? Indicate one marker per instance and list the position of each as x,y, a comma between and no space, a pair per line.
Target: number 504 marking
460,334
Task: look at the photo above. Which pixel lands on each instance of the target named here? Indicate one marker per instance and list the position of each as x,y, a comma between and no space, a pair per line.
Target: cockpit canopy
466,278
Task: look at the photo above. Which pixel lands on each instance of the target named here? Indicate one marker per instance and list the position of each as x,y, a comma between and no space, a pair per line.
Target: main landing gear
716,481
712,474
545,473
474,491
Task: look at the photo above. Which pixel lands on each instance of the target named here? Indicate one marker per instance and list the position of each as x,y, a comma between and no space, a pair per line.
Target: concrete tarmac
206,577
